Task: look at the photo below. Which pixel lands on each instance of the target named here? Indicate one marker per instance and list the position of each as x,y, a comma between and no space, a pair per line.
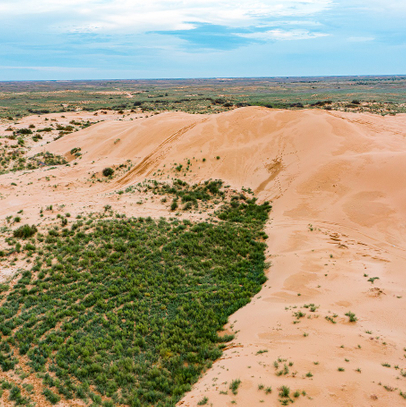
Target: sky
137,39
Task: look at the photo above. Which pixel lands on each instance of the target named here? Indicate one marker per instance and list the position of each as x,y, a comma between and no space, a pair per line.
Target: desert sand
337,186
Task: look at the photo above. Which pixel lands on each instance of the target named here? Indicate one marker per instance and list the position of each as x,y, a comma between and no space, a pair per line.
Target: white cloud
382,6
63,69
137,16
279,34
360,39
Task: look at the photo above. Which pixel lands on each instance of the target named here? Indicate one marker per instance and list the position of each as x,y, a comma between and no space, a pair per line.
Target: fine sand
337,185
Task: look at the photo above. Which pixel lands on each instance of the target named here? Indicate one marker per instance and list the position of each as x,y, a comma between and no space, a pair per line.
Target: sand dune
337,186
313,163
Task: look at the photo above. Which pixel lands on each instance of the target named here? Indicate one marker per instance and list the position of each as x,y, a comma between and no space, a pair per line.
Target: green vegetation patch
14,159
126,311
191,197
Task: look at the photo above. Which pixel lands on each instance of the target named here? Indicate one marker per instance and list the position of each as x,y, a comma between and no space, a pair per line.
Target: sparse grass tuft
203,401
234,386
351,316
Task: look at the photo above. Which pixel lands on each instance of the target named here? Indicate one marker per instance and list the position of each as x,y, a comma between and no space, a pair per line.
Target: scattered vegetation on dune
14,159
126,311
190,196
210,194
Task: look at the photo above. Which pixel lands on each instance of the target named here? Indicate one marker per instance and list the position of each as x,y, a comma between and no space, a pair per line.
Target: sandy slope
337,186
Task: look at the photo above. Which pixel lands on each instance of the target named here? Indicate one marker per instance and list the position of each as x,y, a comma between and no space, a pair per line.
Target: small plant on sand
328,318
203,401
312,307
299,314
351,316
234,386
174,205
284,394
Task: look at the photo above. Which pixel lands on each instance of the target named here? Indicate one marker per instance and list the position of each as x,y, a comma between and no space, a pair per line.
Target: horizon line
211,78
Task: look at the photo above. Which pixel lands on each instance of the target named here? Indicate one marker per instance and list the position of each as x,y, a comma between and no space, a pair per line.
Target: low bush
25,231
108,171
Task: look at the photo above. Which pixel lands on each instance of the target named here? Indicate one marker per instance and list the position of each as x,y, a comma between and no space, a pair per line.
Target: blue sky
126,39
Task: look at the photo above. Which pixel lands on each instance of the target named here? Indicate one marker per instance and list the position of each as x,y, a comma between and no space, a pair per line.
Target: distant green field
380,94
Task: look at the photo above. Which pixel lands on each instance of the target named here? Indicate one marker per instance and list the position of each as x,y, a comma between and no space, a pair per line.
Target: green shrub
107,172
234,386
51,396
6,385
24,131
351,316
25,231
284,392
15,395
